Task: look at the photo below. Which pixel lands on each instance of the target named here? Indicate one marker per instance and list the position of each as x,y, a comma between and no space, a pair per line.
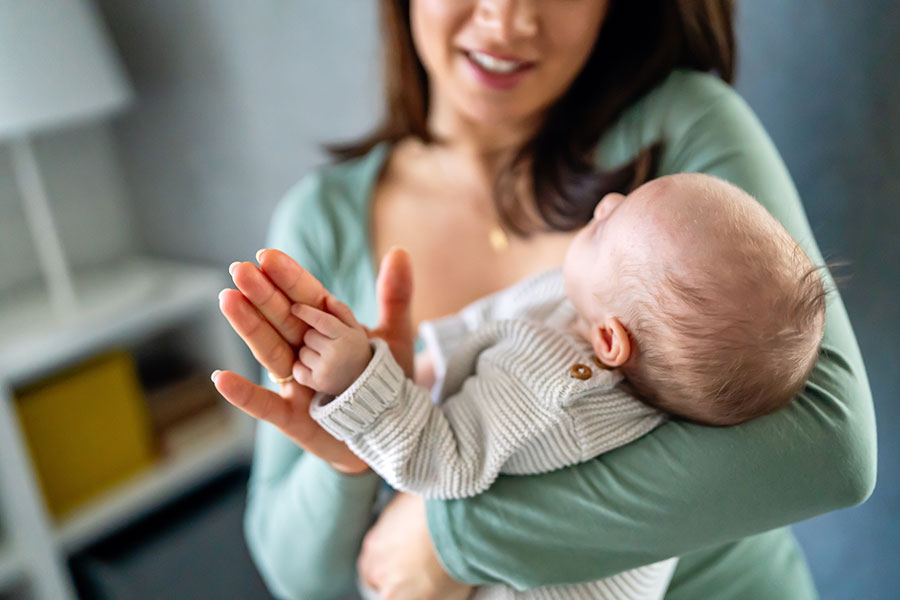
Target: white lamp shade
57,66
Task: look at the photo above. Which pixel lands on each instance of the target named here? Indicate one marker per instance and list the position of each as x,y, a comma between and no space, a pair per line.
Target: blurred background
198,116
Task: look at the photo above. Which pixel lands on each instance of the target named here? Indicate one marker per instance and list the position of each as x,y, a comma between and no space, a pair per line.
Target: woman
507,121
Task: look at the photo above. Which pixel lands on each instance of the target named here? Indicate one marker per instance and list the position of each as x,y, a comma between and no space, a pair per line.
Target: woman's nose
509,19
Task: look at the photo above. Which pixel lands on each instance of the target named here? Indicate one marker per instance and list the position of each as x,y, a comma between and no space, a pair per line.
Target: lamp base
54,266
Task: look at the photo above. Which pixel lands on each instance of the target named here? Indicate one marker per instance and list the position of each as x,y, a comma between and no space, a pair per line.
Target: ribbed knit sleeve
454,450
510,404
355,411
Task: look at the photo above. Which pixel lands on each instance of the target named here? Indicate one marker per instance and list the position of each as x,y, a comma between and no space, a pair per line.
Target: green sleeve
682,487
304,521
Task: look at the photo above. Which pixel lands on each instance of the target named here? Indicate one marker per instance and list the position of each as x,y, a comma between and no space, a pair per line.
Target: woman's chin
493,113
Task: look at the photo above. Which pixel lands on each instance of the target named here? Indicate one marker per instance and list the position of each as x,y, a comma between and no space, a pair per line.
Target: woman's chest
454,259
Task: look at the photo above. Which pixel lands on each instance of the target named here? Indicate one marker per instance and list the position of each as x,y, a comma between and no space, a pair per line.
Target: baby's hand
335,348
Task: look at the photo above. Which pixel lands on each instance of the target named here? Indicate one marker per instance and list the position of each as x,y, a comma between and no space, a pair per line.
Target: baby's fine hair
733,339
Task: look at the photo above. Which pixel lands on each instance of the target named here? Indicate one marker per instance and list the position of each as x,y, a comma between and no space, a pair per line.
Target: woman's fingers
394,288
398,559
266,312
292,279
266,344
291,415
271,303
256,401
341,311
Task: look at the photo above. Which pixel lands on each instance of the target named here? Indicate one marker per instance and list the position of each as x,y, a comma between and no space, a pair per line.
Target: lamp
57,68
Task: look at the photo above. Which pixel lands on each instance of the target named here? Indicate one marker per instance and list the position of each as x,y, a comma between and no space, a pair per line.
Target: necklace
497,237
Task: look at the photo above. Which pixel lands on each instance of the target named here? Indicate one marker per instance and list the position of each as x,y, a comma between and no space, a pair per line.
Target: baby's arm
501,407
454,450
338,355
458,448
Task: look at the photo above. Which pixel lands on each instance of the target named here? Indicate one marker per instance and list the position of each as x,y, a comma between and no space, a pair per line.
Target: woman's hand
399,560
425,375
259,311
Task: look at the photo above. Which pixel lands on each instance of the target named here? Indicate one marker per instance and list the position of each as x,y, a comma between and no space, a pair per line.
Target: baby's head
699,296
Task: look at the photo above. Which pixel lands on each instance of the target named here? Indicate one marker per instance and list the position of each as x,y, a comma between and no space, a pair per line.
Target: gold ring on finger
280,379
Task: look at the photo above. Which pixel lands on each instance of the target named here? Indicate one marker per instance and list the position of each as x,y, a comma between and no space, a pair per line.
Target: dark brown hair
639,45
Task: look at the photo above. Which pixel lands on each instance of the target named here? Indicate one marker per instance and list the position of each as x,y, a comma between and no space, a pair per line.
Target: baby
686,290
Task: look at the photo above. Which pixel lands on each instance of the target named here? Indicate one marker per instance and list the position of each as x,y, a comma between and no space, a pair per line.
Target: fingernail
222,293
232,266
295,309
214,375
258,252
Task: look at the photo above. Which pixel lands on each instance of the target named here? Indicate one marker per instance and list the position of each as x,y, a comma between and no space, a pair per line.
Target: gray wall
824,77
234,98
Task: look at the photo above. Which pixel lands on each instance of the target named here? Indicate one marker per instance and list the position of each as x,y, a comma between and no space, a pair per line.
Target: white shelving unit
119,306
150,488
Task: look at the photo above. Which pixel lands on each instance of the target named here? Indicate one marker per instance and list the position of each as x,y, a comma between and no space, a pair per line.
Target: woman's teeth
492,64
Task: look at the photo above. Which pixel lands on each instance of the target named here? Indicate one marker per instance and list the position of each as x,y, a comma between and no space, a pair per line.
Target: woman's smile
497,72
501,64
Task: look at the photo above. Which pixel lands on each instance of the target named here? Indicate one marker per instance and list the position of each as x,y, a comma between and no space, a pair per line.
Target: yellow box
87,429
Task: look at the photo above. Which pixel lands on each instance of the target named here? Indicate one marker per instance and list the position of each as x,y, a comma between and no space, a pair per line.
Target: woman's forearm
304,521
680,488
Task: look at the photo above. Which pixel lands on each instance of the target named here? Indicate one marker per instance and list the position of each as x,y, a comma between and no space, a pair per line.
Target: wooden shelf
116,303
152,487
11,570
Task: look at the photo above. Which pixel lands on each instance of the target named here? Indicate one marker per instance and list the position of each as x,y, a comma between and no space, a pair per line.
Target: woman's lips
494,78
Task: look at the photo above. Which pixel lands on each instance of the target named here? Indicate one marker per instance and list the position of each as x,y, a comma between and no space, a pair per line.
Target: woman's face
503,60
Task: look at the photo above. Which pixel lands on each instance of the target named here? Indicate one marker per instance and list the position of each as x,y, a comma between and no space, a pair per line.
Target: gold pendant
499,241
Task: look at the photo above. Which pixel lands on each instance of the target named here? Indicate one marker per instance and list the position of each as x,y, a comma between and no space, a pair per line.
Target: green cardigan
717,497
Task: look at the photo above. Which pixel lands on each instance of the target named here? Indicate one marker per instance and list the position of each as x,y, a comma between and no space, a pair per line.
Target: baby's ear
611,342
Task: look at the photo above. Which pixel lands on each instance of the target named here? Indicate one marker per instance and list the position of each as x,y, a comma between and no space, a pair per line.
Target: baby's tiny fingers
302,374
329,325
309,358
316,340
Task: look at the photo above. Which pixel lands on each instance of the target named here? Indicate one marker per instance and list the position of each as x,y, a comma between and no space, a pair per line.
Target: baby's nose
606,204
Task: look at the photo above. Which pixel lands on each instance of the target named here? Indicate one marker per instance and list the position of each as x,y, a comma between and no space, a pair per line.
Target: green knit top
717,497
